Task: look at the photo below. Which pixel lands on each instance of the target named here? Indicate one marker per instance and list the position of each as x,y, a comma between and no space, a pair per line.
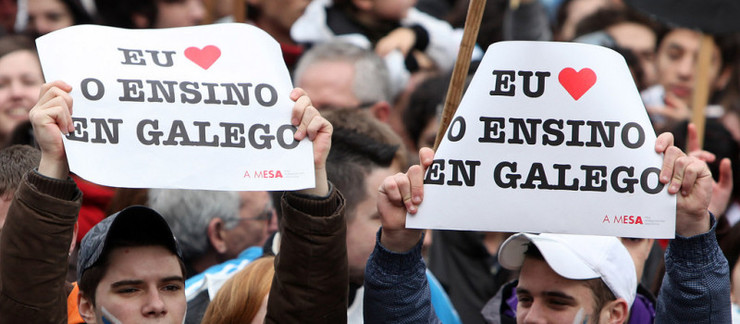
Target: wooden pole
700,95
460,71
210,11
240,11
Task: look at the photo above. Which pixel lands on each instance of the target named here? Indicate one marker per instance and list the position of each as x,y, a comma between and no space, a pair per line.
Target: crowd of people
370,77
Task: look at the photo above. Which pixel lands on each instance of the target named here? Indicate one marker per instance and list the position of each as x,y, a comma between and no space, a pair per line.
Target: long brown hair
240,298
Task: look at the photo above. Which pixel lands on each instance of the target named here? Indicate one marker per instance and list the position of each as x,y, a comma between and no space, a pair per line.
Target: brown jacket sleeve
34,249
311,280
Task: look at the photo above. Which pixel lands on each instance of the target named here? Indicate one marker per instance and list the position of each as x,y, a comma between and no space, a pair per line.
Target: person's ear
140,21
724,77
616,311
381,110
216,235
86,308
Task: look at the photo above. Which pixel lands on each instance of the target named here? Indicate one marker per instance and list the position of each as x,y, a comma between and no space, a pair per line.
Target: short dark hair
15,161
90,279
119,13
360,144
599,290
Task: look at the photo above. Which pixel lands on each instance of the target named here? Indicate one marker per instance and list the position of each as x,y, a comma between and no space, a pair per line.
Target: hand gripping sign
193,108
549,137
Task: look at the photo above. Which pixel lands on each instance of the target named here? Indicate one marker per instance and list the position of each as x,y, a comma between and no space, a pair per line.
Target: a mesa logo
263,174
624,219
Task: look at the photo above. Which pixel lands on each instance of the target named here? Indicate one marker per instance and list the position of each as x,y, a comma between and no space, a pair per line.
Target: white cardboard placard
549,137
202,107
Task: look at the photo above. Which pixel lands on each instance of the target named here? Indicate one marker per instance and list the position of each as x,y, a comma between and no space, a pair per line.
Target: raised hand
310,124
689,177
51,117
399,194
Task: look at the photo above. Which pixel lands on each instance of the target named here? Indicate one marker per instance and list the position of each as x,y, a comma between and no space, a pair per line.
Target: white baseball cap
577,257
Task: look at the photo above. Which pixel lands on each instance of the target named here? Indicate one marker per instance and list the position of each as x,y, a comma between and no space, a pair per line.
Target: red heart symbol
577,83
203,57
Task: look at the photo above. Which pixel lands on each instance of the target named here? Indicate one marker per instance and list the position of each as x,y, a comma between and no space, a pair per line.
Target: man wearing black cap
130,269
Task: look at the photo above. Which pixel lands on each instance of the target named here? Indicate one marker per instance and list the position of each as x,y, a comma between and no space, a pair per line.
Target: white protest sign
193,108
549,137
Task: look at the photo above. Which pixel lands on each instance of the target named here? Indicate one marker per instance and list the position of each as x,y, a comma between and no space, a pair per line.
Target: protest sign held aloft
202,107
549,137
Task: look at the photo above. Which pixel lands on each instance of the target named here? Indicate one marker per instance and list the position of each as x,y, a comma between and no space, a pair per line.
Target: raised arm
396,287
696,286
311,276
40,223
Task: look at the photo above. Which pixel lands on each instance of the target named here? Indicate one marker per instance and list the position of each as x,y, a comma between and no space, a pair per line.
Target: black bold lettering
467,175
629,182
597,128
132,90
536,173
232,133
434,174
626,135
503,85
557,133
101,125
644,181
530,135
492,130
80,134
231,90
154,135
167,55
594,175
211,94
178,130
132,57
540,83
260,96
460,121
266,139
575,125
157,87
562,169
190,88
281,136
85,88
512,177
202,135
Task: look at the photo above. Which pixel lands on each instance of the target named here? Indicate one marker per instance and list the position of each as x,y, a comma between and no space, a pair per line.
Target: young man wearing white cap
130,269
563,278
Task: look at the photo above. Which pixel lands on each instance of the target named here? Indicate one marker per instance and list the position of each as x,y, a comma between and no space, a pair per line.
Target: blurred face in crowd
255,214
8,11
179,13
676,61
546,297
639,250
279,14
330,85
363,226
20,83
392,9
142,285
576,11
45,16
640,40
